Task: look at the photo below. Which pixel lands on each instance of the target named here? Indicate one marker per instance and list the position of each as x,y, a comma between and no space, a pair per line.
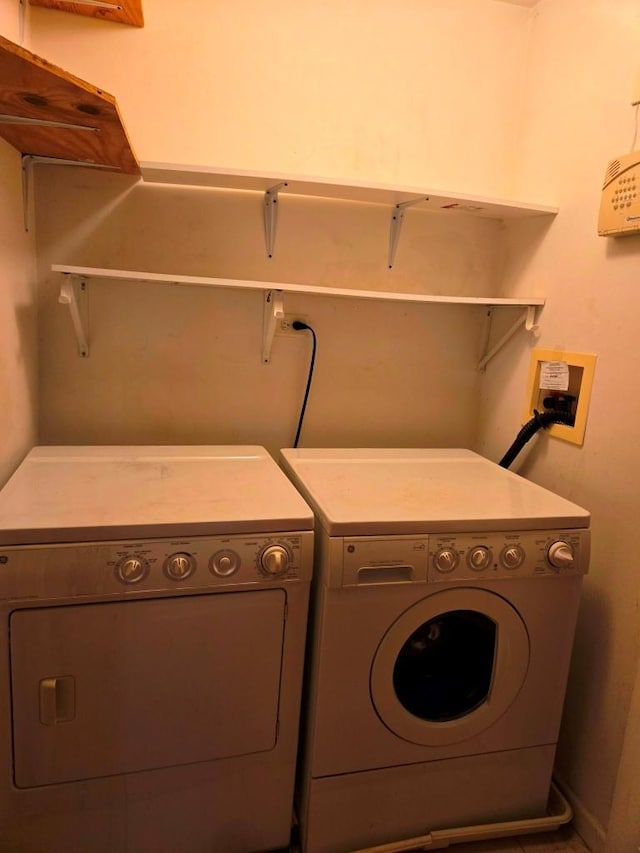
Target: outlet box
580,368
285,324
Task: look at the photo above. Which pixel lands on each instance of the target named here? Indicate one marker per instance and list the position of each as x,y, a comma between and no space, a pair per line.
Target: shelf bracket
21,17
271,216
273,312
74,293
528,319
397,218
28,161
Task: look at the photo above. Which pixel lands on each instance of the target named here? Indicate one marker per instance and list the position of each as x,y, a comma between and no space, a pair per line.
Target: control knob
479,558
512,557
446,560
560,555
178,567
275,560
224,563
131,569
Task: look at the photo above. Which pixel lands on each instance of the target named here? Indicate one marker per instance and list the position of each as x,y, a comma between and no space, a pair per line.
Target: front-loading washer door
110,688
449,666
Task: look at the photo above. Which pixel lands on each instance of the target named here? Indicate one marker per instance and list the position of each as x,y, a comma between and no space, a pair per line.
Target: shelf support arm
397,218
527,319
273,312
74,293
271,216
28,161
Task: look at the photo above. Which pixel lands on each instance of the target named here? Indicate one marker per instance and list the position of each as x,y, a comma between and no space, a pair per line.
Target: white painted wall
583,66
18,310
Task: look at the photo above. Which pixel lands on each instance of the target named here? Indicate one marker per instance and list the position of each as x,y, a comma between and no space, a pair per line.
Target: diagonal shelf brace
273,312
397,218
74,293
271,216
528,319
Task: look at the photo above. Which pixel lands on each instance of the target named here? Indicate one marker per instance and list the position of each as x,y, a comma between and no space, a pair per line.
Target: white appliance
445,597
153,607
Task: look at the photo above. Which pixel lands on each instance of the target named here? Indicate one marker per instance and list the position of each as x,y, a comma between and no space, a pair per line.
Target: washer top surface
361,491
100,493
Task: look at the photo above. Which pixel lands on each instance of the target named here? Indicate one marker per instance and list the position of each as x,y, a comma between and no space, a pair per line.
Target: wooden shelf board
33,88
123,12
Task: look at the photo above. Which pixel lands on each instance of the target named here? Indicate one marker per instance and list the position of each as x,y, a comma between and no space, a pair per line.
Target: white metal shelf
440,200
273,300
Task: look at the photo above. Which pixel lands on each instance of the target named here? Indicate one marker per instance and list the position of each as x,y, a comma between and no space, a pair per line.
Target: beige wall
18,342
175,364
408,92
412,92
583,66
342,90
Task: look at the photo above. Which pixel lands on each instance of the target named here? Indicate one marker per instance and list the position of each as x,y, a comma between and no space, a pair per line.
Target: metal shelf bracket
397,218
28,161
74,293
273,312
528,319
271,216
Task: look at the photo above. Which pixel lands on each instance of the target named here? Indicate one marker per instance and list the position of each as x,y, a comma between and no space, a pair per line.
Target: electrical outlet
285,324
573,397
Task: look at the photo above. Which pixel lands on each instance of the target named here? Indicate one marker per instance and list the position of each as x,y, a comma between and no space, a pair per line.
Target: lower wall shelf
273,300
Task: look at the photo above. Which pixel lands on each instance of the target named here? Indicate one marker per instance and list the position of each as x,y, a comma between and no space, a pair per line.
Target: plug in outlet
285,326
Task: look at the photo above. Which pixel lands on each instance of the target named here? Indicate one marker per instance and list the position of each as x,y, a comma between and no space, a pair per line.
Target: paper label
554,375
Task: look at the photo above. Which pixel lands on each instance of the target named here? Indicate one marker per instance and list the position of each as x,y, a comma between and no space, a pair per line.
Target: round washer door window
449,666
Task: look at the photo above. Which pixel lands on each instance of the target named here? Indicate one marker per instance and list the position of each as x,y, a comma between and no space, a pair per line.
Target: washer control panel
456,556
198,563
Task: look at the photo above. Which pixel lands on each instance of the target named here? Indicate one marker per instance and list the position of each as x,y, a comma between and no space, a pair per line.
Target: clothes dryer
153,608
445,598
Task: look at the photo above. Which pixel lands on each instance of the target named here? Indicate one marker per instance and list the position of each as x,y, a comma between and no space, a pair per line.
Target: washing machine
446,592
153,611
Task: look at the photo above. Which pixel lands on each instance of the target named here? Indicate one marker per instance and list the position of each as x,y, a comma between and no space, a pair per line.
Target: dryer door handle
57,700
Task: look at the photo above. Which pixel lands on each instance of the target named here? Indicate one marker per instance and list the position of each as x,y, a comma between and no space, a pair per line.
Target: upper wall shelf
122,12
444,201
47,112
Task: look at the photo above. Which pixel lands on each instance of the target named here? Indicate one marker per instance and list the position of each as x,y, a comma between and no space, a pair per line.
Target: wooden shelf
429,199
47,112
122,12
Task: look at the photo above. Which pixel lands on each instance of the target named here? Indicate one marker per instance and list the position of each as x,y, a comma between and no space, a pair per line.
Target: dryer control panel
160,566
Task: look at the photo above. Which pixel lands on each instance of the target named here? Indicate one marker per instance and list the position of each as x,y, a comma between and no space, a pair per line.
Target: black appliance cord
299,325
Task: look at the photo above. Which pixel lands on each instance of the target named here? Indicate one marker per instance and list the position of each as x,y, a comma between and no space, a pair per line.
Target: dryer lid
80,494
415,491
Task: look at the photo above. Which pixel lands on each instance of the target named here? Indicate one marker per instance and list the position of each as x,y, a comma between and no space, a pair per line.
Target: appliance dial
446,560
274,560
179,567
560,555
479,558
132,569
512,556
224,563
